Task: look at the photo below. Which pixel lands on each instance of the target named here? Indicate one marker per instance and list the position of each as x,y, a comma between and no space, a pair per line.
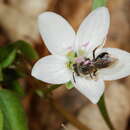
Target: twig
68,116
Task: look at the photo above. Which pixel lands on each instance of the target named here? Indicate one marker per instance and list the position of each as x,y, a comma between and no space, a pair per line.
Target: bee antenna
95,51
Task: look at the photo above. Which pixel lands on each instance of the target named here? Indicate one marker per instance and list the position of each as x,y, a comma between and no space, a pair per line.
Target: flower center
80,65
71,59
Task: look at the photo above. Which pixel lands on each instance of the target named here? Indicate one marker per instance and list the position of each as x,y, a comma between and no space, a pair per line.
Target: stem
98,3
50,88
104,113
101,103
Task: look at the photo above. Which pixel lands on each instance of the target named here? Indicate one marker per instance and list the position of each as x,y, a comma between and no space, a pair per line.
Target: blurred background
18,21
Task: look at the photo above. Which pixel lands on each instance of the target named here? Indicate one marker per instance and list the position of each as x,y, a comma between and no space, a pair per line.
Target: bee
90,67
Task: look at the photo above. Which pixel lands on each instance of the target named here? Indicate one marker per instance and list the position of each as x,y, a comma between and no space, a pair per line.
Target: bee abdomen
101,64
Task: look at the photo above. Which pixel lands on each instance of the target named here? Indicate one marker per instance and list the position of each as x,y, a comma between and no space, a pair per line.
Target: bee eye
81,63
74,65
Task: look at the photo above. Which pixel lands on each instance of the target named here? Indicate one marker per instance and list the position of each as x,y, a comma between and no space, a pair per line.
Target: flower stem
98,3
104,113
101,103
50,88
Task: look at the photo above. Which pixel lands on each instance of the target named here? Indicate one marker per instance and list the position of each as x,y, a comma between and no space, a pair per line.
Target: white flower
69,48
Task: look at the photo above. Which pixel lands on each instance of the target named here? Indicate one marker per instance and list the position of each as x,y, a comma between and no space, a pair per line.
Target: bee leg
74,78
94,73
90,75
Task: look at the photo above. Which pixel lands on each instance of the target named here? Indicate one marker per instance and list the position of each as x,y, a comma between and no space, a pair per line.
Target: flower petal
93,30
56,32
52,69
120,69
92,89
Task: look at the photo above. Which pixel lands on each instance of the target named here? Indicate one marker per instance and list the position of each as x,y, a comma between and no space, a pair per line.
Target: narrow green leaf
5,51
47,90
1,74
14,115
40,92
104,113
1,120
26,49
98,3
9,59
16,87
10,74
69,85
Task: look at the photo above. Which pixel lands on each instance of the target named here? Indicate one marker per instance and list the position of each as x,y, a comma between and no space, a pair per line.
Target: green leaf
98,3
26,49
1,120
10,74
1,74
69,85
13,112
16,87
9,59
104,113
40,92
5,51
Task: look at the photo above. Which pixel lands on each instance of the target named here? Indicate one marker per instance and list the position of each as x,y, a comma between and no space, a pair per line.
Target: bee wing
120,67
